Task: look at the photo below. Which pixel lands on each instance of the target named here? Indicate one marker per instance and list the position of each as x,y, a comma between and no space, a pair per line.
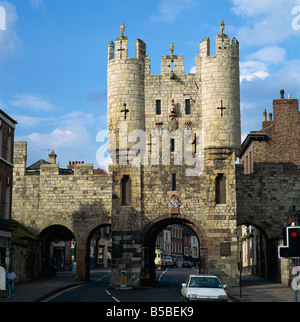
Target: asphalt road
167,289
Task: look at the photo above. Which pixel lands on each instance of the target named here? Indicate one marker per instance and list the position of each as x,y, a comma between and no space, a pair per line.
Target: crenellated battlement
223,47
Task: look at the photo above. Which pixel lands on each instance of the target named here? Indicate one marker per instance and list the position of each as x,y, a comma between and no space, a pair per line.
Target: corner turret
125,93
220,93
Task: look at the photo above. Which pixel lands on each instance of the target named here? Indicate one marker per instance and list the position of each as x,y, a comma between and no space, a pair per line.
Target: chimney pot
265,115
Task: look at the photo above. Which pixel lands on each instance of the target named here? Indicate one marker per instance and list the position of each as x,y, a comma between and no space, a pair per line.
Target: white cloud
274,55
170,10
59,138
70,135
32,102
250,70
267,22
30,121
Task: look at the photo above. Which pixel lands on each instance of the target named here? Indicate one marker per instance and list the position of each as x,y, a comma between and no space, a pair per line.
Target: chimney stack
52,157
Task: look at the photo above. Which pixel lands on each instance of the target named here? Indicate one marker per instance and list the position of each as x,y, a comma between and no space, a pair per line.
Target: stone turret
220,93
125,93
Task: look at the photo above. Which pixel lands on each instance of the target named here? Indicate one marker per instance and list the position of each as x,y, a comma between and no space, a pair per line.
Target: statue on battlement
122,29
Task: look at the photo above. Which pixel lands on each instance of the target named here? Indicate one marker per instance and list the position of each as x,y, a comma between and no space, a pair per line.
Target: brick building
7,127
278,140
270,187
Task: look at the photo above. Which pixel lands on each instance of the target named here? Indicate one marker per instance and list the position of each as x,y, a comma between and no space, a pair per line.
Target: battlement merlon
223,46
20,158
119,50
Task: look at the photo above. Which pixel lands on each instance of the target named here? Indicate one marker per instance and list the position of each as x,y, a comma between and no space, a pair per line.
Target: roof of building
37,165
253,136
7,116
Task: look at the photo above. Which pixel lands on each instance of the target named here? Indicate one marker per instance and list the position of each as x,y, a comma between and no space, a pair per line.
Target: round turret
220,85
125,93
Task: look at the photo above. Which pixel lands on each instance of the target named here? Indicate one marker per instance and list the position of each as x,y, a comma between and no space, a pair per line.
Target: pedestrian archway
99,245
258,254
57,242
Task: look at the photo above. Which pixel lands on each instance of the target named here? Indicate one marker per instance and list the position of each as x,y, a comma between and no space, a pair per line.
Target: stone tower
220,85
126,114
174,138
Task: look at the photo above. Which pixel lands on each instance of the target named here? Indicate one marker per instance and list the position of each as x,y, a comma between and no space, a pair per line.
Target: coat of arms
158,128
188,128
174,204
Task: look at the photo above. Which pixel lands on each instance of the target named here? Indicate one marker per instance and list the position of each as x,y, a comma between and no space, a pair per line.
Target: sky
53,61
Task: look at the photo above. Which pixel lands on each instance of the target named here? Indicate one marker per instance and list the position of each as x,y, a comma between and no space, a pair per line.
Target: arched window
220,189
126,190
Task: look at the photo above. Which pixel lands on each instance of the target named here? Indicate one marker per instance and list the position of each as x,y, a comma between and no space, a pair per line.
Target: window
158,107
220,189
187,107
173,181
9,147
126,190
194,143
7,202
172,143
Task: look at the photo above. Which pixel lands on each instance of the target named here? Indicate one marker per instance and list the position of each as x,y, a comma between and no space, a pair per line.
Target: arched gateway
149,237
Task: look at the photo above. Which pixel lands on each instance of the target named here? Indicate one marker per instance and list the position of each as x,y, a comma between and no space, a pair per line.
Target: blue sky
53,60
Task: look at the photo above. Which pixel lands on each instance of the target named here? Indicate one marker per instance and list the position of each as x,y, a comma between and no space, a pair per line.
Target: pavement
254,289
36,291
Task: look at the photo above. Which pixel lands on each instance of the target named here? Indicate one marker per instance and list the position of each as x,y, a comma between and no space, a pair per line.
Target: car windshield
210,282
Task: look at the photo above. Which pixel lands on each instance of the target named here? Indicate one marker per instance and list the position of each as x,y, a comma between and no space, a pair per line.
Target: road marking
100,278
115,299
162,274
60,293
107,292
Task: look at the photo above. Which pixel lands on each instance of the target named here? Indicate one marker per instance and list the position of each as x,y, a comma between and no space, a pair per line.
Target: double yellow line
48,299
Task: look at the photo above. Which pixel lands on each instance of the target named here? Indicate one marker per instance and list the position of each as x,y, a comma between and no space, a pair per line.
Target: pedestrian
3,280
11,279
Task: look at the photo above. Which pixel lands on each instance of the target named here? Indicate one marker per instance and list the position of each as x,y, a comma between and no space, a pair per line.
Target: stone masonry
80,201
200,112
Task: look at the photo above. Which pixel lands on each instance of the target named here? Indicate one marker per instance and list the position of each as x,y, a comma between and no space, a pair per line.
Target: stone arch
53,233
58,223
271,264
149,235
83,244
255,222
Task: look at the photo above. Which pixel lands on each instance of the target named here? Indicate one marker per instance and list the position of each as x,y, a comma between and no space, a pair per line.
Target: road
167,289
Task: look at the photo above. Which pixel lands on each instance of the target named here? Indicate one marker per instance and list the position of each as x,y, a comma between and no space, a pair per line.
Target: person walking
11,278
3,280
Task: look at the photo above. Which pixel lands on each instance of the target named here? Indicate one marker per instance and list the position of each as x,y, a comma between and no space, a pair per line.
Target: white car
203,288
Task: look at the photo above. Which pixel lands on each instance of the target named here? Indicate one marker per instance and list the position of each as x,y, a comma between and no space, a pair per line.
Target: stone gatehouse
174,139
